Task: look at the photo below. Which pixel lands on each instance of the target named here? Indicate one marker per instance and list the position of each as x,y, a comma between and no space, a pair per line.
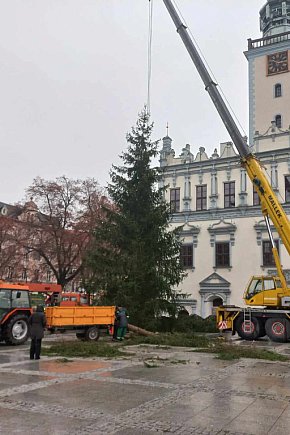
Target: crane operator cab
266,291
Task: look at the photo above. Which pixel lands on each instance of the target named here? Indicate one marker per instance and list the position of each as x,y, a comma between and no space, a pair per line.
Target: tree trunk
140,331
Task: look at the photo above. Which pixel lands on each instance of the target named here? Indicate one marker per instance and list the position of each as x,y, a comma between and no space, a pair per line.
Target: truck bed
79,316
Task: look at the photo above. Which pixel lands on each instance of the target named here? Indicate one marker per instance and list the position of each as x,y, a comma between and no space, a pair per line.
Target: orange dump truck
87,322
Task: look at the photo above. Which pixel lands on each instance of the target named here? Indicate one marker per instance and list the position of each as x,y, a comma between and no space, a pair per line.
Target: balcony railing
268,40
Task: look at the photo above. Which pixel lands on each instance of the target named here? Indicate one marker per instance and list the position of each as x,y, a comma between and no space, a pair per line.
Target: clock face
278,62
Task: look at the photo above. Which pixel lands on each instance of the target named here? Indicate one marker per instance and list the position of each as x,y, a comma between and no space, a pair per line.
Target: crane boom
269,202
210,85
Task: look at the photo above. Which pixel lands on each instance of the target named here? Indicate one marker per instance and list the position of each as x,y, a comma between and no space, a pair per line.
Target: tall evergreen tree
136,258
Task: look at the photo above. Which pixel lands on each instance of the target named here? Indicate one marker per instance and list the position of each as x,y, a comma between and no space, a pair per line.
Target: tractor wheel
92,334
277,329
16,330
248,332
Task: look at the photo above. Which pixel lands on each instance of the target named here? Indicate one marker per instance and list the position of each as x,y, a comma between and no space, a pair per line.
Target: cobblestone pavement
154,390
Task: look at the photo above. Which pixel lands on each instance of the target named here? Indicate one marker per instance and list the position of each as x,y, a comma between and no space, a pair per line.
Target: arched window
278,90
278,121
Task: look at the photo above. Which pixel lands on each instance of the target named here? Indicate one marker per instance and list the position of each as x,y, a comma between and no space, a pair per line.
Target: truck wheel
276,329
16,330
51,330
92,334
251,332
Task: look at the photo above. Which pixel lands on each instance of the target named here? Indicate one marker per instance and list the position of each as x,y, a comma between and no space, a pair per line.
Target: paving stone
24,423
181,374
91,394
6,358
11,379
98,396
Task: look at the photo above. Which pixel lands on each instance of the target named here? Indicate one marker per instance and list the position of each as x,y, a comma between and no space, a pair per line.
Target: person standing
37,323
116,324
123,323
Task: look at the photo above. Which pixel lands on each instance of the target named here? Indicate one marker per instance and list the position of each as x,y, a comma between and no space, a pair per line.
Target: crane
270,292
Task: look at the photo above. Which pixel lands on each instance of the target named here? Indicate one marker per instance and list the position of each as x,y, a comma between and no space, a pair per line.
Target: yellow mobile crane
268,294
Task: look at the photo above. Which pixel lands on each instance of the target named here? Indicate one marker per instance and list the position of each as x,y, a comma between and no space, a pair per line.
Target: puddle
70,366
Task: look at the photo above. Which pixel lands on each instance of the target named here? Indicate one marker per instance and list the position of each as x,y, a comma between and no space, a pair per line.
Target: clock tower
269,77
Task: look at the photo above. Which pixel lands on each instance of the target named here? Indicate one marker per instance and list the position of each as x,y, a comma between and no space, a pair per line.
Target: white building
211,197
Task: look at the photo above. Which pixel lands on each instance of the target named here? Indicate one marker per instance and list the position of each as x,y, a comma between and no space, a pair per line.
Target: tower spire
274,17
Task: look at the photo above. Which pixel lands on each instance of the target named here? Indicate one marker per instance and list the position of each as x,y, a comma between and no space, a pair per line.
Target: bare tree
59,221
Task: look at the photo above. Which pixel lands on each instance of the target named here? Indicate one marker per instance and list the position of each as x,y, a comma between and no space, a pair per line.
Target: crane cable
149,54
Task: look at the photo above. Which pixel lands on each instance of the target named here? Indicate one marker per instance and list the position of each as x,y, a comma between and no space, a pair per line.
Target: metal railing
268,40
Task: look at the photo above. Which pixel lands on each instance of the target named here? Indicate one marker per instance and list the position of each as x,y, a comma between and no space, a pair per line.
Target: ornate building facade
18,264
225,240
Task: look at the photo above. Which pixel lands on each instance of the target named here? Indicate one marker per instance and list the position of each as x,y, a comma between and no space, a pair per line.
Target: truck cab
266,291
74,299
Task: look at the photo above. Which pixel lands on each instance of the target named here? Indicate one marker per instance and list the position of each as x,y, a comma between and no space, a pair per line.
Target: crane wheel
278,329
250,331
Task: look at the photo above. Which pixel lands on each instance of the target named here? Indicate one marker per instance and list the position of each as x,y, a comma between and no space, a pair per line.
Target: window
201,196
269,284
222,254
20,298
24,275
83,300
256,286
186,255
278,90
174,200
36,274
256,198
37,298
229,194
268,259
287,188
5,298
278,121
9,272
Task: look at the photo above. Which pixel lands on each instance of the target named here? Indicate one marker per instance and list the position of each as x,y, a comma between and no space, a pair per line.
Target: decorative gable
260,228
215,283
190,230
227,150
222,227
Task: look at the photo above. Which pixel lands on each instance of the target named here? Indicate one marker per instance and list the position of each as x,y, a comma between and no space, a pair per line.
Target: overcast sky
73,77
